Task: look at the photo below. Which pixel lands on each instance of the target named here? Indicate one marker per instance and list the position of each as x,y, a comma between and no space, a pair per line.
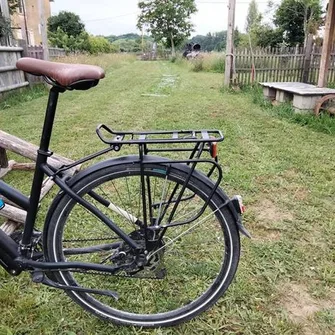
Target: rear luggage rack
158,137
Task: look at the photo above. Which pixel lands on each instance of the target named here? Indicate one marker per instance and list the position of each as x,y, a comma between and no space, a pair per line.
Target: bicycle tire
63,223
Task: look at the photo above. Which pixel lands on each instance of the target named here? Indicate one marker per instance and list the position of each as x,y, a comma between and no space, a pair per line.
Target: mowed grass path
286,173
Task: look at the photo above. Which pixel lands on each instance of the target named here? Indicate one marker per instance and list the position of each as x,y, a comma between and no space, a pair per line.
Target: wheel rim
193,264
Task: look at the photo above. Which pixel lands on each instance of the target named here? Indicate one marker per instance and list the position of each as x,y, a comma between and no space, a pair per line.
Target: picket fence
10,77
280,64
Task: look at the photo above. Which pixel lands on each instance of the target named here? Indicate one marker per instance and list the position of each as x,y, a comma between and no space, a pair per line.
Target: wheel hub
142,264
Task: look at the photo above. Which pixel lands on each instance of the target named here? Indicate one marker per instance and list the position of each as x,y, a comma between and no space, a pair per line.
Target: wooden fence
10,77
282,64
36,51
56,52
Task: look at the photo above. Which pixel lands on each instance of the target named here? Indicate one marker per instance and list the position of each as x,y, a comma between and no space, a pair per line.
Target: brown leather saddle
64,76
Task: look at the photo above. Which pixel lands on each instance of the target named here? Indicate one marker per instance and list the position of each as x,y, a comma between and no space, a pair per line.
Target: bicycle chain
99,273
105,274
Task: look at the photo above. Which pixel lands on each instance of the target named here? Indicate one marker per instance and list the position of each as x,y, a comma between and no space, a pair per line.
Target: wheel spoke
188,259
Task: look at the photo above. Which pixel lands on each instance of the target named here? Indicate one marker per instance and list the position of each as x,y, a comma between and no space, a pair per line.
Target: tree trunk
173,51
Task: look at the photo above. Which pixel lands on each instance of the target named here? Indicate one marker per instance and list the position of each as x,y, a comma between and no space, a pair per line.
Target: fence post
24,46
307,60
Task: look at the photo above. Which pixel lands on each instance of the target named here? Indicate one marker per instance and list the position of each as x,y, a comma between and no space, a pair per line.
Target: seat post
42,155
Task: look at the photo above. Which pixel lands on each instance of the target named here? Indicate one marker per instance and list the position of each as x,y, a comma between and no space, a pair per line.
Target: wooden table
303,96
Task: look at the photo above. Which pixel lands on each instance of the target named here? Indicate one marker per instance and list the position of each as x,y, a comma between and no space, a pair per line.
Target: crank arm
40,277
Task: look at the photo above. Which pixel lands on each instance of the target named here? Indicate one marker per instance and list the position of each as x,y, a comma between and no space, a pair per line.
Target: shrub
99,44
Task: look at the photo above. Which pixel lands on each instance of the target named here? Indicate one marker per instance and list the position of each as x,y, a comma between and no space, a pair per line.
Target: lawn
285,283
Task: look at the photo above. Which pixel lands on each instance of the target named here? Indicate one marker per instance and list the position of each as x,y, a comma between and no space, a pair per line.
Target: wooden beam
230,43
327,44
26,149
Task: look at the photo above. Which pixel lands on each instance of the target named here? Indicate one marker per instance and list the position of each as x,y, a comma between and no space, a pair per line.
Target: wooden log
26,149
14,214
24,166
10,226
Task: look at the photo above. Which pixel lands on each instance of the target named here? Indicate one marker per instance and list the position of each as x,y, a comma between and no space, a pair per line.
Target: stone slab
299,88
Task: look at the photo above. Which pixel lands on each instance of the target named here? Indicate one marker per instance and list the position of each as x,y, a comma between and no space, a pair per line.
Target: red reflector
240,201
214,149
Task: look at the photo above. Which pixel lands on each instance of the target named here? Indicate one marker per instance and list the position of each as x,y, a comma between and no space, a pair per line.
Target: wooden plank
10,49
8,68
13,87
308,55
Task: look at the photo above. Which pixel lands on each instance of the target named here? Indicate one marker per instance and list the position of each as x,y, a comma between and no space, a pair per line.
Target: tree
99,44
61,39
167,20
253,16
70,23
266,36
127,45
298,18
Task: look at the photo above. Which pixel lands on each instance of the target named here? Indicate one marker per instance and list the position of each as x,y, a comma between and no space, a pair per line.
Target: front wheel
188,269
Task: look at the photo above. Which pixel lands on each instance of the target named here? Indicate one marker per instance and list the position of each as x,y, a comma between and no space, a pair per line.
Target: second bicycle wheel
187,271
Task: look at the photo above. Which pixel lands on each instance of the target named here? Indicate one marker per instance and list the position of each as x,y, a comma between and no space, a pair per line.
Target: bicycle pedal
40,277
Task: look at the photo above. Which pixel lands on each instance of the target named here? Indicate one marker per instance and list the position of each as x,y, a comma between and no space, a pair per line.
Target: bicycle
138,240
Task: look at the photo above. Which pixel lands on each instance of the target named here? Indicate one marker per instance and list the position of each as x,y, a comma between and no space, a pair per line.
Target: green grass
285,172
15,98
206,62
323,123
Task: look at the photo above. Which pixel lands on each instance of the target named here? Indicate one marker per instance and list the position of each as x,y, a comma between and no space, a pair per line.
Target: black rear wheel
187,271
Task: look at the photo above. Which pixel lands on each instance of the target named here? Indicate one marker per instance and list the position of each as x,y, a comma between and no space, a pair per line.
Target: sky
117,17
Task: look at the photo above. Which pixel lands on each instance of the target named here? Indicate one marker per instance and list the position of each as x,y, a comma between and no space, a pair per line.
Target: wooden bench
303,96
